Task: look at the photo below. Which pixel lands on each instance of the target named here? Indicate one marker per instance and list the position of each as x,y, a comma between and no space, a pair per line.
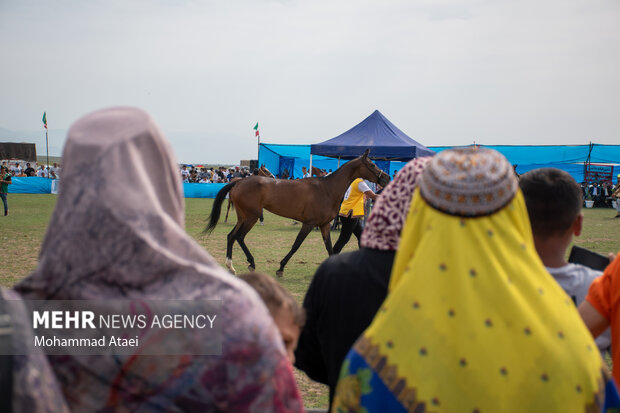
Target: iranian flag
257,133
44,120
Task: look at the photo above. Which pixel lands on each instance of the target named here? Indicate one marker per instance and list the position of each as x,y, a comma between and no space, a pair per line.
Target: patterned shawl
474,323
383,227
118,232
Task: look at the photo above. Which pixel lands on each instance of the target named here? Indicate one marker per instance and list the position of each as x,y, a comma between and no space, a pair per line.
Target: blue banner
201,190
30,185
37,185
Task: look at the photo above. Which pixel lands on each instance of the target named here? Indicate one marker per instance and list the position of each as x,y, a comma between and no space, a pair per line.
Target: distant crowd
25,169
601,194
212,175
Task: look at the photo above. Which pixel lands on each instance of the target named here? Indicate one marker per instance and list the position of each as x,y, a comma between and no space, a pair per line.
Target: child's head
286,312
554,201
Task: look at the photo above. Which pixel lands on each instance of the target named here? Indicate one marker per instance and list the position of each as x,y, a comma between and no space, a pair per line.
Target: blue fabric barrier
201,190
535,154
30,185
37,185
575,170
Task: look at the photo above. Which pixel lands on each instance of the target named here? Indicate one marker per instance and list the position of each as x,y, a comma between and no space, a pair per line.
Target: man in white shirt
185,174
554,201
305,173
42,172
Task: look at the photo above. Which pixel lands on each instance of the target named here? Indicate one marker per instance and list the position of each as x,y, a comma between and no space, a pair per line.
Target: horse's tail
217,207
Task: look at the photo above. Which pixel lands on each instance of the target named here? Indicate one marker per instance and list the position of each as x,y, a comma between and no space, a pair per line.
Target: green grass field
22,232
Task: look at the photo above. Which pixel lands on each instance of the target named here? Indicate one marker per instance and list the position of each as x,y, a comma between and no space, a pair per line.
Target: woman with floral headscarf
347,289
472,321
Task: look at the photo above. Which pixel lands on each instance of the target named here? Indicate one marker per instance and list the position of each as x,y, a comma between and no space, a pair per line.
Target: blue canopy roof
376,132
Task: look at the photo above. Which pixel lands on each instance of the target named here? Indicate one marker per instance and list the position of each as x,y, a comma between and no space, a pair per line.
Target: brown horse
262,171
318,172
312,201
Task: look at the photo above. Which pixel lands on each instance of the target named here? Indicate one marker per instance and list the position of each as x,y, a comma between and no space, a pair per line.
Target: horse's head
318,172
263,171
371,172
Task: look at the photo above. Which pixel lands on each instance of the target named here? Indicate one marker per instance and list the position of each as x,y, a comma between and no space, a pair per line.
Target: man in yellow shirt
351,210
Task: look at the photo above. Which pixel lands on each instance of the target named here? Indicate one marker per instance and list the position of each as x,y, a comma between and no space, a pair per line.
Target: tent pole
310,165
339,162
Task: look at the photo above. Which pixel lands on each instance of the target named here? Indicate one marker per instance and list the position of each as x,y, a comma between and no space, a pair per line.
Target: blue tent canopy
376,132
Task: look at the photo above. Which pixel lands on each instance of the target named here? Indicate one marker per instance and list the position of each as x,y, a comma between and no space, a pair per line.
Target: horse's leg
327,240
230,240
228,210
303,233
243,231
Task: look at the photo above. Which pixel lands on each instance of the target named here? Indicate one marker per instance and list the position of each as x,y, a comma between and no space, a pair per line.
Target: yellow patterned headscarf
472,323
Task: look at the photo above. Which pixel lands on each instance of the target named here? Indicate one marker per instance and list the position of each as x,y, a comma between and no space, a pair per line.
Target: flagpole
47,154
257,133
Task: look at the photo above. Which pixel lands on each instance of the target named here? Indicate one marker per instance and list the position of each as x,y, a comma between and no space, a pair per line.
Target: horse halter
378,176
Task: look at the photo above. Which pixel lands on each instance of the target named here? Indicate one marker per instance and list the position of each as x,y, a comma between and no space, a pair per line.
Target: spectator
351,211
472,321
29,170
120,235
348,288
601,309
237,173
193,176
16,169
286,313
204,180
616,195
42,172
596,193
5,181
184,174
220,174
554,202
305,173
606,192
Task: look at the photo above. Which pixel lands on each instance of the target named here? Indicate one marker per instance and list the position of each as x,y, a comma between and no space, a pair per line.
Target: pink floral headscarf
383,227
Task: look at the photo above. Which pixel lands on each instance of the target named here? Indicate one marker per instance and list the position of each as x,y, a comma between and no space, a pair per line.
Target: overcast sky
445,72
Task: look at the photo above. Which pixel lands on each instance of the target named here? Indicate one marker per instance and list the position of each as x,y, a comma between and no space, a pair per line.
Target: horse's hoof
251,268
230,266
279,273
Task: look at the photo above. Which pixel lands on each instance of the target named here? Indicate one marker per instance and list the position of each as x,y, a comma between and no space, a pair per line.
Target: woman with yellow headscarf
472,321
